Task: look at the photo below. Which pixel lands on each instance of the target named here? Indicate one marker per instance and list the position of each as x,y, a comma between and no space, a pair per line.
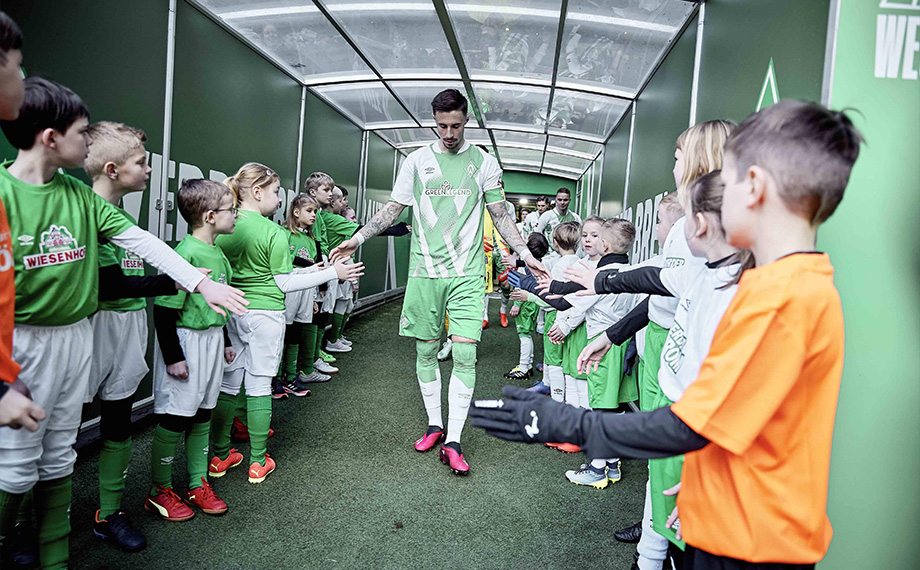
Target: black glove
528,417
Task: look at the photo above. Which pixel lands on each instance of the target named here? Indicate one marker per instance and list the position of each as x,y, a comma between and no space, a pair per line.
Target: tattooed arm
506,227
382,220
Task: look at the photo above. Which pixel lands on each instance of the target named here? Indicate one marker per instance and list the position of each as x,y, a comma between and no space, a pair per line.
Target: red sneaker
568,447
503,319
219,467
239,432
453,458
258,473
204,498
552,445
485,324
167,504
429,440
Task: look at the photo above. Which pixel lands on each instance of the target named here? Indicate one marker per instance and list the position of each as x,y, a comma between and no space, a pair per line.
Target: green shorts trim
427,300
552,353
575,342
655,335
526,321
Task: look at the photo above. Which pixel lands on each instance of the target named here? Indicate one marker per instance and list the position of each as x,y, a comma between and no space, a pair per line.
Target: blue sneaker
613,471
588,475
540,388
539,367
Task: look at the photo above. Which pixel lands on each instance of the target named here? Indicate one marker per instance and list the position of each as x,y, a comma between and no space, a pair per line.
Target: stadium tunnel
584,94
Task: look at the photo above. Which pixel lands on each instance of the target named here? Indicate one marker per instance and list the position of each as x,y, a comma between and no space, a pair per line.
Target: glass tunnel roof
548,80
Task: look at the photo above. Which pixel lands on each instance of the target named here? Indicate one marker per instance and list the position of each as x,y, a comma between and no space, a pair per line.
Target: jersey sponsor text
40,260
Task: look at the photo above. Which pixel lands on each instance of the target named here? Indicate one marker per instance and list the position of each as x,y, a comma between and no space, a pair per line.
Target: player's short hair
567,235
619,234
543,199
592,219
537,245
342,189
197,196
46,105
249,176
448,101
565,191
670,206
317,179
111,142
10,36
808,149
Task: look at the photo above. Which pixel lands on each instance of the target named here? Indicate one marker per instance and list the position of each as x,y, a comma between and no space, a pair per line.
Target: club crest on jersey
471,169
57,246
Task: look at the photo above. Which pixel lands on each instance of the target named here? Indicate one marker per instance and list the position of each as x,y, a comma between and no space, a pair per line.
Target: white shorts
258,339
204,355
119,354
298,305
327,304
55,367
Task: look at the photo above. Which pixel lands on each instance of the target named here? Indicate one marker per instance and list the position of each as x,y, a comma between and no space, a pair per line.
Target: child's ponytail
233,184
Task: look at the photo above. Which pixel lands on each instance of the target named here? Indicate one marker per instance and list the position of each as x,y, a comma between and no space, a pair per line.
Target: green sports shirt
338,229
258,250
448,193
302,246
130,264
319,232
194,312
55,229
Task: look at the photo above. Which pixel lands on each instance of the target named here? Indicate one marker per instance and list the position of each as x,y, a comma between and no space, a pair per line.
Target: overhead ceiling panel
403,138
521,107
369,105
520,139
569,145
297,37
584,115
569,174
517,155
611,47
507,39
417,96
402,39
561,161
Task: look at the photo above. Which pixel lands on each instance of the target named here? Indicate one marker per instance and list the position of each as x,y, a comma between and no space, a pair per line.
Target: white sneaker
313,377
344,341
324,367
444,353
337,347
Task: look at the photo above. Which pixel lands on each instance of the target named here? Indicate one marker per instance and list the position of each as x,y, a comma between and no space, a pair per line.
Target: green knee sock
196,453
289,361
9,512
162,453
337,320
241,404
113,469
221,420
260,417
52,504
307,353
344,324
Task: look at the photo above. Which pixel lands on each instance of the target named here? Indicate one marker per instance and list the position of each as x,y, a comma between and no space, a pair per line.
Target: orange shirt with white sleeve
9,370
766,398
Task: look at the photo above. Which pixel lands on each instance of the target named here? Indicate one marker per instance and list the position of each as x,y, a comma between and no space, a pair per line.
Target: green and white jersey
319,232
258,250
130,264
194,312
448,193
302,246
530,224
338,229
55,229
550,219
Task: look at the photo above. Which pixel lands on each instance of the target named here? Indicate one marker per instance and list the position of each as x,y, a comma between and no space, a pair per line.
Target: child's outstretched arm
161,256
288,282
114,284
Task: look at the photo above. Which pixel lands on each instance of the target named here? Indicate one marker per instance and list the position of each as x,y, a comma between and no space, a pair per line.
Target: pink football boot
453,458
432,437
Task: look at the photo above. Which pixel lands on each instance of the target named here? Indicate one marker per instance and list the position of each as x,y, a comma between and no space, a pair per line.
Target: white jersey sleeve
543,221
404,187
678,279
491,174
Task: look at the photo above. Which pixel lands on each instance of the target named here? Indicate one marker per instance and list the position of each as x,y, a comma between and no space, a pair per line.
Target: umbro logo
429,170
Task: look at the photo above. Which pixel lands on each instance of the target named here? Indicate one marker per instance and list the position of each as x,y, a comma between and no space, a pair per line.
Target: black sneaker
517,374
278,392
294,388
20,548
118,530
630,534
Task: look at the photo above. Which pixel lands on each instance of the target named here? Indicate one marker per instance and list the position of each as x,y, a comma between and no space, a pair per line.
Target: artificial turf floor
351,492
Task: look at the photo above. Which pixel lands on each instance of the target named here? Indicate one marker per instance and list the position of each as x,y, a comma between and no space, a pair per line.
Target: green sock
221,420
307,353
162,453
113,470
9,511
196,453
289,361
52,504
320,332
344,324
337,320
240,411
260,417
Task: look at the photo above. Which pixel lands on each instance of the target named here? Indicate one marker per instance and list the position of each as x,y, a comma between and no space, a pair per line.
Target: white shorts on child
55,367
204,356
258,338
119,354
298,305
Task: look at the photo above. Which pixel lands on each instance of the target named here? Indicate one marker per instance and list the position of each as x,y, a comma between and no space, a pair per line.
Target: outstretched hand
345,249
349,272
584,276
536,267
527,417
590,358
219,296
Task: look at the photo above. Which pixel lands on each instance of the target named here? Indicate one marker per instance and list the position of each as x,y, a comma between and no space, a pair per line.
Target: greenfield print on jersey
133,265
448,193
